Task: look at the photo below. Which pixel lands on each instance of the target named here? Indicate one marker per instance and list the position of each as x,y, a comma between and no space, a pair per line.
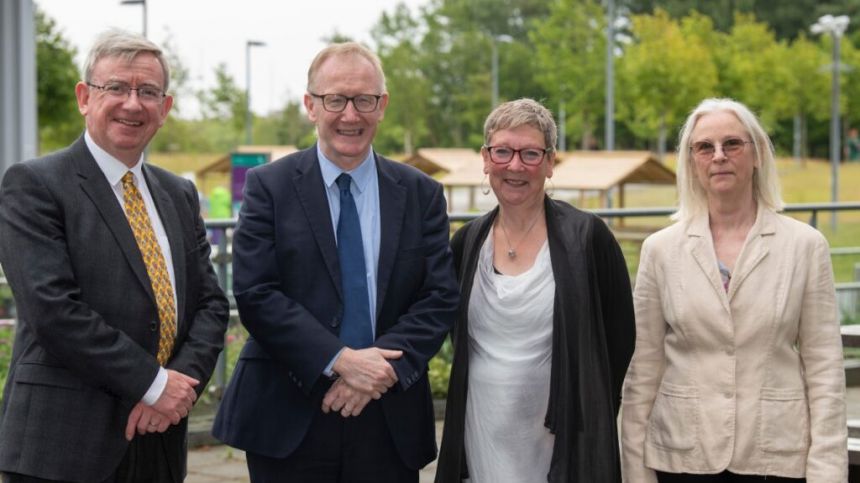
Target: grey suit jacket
87,332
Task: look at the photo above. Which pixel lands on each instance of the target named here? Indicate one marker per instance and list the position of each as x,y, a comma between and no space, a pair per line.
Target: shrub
7,334
440,370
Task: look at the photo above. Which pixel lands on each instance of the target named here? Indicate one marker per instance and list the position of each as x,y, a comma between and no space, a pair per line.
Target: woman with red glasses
545,327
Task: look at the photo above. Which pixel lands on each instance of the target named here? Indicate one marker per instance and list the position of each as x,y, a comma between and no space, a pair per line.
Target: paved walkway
222,464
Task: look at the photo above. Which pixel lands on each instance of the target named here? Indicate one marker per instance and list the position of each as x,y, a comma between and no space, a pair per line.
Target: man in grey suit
120,317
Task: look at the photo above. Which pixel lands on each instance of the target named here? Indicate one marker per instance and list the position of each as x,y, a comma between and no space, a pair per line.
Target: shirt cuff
156,388
329,369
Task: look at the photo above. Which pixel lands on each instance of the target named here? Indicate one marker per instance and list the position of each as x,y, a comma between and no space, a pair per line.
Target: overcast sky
205,33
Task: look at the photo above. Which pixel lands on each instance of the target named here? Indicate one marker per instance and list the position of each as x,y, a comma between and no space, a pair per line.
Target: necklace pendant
512,254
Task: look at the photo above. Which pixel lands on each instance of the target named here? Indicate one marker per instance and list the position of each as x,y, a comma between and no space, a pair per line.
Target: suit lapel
310,188
97,188
699,236
755,249
392,206
173,229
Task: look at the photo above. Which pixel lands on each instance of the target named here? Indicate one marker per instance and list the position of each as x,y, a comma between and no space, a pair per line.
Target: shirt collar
362,175
112,168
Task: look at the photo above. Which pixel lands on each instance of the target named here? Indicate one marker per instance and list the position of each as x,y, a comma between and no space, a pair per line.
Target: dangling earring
551,189
485,187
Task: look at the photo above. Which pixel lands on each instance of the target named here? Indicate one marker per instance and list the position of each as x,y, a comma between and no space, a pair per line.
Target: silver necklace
512,249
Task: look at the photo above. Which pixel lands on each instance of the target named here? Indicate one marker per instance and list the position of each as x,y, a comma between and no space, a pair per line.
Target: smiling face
345,137
123,126
721,175
515,183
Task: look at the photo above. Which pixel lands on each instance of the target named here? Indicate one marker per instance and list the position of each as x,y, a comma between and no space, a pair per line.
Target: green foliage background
670,54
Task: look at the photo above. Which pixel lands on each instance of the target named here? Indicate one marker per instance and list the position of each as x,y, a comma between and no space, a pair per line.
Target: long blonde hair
692,199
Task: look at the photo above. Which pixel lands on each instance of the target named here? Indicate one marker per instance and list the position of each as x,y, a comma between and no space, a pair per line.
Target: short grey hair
127,46
522,112
345,49
692,199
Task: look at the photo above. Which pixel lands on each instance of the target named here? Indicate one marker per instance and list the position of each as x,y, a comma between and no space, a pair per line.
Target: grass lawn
807,182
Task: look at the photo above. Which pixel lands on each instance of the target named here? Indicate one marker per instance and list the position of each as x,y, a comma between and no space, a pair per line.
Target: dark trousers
338,450
147,460
724,477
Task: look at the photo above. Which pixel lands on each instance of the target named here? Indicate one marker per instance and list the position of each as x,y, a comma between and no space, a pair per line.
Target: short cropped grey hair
522,112
692,199
127,46
345,49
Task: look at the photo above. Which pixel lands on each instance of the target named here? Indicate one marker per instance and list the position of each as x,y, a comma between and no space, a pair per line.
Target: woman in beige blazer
737,374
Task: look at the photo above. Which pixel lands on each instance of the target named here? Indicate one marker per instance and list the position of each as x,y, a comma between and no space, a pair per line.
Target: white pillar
18,120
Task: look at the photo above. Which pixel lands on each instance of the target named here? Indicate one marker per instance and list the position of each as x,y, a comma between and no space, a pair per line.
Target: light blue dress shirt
365,191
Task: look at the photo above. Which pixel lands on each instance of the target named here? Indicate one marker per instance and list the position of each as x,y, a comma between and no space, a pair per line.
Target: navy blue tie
355,330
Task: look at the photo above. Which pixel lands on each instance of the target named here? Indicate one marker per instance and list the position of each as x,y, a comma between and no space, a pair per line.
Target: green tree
225,104
569,52
405,124
288,125
804,87
787,19
454,41
56,75
178,134
758,80
662,75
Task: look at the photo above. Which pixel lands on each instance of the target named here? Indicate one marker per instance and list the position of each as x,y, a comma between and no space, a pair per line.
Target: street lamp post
610,77
835,26
494,66
248,118
142,3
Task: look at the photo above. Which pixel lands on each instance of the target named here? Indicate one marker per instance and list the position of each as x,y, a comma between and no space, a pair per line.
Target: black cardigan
592,342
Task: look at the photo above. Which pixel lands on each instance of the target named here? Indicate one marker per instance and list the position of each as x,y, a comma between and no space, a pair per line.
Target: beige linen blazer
750,380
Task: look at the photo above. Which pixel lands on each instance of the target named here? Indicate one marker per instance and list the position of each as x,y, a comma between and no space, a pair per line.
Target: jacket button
335,322
153,326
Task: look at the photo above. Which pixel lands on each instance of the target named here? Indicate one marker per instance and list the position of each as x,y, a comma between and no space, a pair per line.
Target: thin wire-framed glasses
121,90
505,154
337,102
704,150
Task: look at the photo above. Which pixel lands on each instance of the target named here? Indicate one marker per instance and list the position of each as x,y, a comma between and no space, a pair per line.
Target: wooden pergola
582,171
602,171
441,161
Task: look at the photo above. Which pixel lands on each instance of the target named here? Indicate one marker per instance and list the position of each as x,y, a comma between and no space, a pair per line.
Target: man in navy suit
343,276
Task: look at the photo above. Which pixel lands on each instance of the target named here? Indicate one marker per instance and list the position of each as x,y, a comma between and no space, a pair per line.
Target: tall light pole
609,134
142,3
248,118
494,66
835,26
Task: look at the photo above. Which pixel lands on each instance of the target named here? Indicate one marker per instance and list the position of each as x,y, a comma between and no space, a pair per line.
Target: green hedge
7,334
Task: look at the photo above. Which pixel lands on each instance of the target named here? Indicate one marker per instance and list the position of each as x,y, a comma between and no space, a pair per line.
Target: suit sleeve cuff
329,369
156,388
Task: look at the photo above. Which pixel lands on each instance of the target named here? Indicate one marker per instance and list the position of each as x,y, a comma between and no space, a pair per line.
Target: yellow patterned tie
138,218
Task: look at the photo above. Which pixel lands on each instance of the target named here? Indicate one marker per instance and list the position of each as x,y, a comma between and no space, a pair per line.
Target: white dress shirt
114,170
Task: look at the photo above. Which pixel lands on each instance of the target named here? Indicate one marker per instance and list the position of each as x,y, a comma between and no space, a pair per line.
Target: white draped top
510,349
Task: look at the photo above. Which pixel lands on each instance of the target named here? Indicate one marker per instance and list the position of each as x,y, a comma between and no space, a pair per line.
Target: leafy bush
7,334
440,370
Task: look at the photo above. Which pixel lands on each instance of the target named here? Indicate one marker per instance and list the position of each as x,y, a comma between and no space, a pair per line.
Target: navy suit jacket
286,279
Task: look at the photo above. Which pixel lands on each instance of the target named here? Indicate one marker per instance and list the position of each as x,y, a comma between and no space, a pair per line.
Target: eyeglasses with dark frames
505,154
363,103
121,90
704,150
